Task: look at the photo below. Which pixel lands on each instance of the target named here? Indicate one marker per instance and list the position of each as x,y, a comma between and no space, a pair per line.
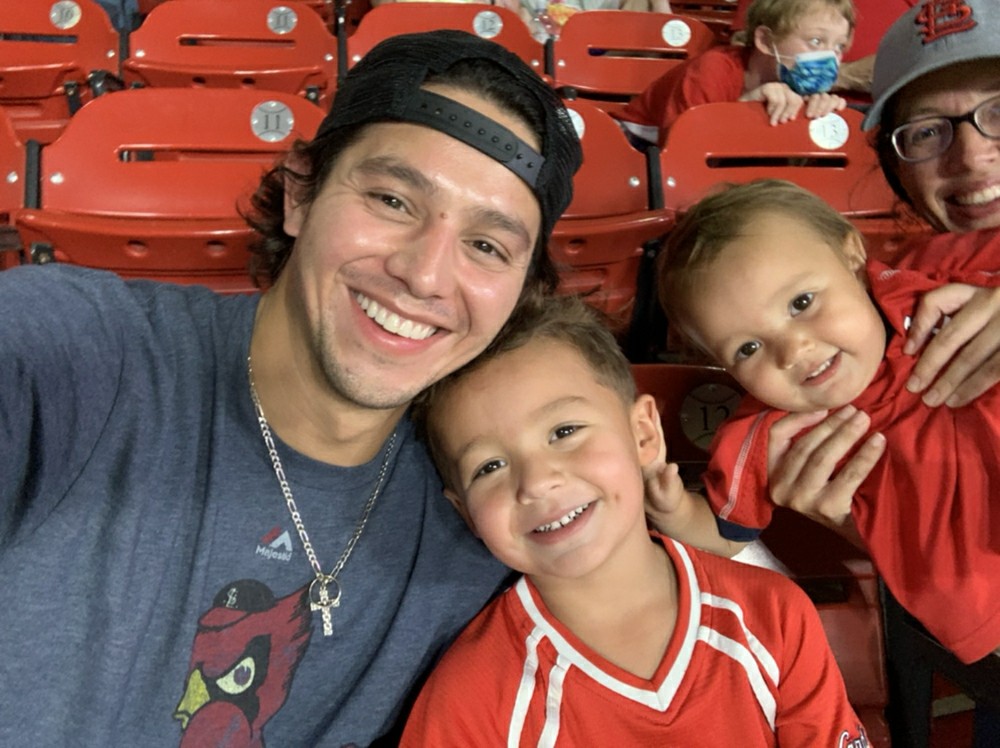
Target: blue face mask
813,72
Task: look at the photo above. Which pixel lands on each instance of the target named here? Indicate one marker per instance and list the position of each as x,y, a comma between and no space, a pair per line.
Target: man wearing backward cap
216,526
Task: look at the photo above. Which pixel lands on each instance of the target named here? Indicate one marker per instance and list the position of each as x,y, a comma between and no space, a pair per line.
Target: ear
854,253
763,40
648,431
295,206
456,501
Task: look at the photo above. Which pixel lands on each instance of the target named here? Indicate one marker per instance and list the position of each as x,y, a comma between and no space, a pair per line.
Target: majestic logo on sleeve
243,659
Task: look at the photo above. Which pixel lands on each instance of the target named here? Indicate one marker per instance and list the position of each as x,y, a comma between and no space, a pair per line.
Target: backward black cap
385,86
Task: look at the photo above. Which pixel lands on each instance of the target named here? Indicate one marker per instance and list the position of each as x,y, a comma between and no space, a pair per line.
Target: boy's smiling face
789,316
546,461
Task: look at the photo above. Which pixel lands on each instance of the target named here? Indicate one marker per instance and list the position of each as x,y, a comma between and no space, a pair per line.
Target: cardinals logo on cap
938,18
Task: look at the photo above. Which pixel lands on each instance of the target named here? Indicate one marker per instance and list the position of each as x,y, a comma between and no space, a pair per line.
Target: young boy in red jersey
791,58
615,635
773,284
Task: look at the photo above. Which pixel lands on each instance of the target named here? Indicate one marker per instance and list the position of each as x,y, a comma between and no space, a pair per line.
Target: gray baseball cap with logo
934,34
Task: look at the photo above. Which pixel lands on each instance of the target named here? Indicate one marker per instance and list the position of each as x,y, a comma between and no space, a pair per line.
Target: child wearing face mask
790,60
773,284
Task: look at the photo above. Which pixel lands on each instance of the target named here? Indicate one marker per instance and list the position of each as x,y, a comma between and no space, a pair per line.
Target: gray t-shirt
148,562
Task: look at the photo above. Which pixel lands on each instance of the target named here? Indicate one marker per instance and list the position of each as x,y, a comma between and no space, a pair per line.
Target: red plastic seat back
150,181
612,55
493,22
599,240
12,180
734,142
47,52
281,46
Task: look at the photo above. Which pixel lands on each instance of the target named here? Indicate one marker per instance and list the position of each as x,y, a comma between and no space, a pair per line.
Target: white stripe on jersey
760,652
524,689
553,703
742,655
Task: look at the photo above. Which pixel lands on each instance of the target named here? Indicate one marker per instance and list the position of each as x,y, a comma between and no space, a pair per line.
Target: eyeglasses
929,137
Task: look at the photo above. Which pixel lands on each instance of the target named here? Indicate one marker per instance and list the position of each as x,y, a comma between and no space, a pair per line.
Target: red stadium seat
12,167
147,182
492,22
599,241
279,46
53,57
612,55
734,142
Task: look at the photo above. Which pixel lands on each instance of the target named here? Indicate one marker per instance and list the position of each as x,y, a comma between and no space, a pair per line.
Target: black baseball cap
386,86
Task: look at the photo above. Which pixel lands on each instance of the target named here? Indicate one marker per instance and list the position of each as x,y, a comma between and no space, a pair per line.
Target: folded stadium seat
494,22
12,168
718,15
612,55
148,182
599,241
693,400
265,44
734,142
54,57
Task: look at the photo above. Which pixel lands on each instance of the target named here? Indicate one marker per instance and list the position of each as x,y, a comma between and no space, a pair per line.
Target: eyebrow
544,410
387,166
393,167
499,220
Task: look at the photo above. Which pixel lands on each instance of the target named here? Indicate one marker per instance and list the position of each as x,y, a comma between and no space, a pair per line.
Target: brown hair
711,225
561,319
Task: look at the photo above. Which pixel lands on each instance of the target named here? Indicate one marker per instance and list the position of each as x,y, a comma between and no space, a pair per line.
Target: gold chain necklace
321,597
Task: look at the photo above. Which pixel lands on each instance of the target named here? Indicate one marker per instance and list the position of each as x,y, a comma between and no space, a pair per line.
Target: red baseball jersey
928,511
747,664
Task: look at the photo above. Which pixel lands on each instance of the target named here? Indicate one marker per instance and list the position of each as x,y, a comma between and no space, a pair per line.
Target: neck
625,611
300,404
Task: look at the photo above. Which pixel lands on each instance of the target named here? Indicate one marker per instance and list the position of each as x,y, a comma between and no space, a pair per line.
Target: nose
425,259
791,349
970,148
537,478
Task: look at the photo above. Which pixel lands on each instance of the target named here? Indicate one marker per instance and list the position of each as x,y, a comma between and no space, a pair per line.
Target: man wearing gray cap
216,526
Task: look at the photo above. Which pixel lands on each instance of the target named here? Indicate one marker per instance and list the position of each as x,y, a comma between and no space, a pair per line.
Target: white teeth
823,367
980,197
563,521
392,322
